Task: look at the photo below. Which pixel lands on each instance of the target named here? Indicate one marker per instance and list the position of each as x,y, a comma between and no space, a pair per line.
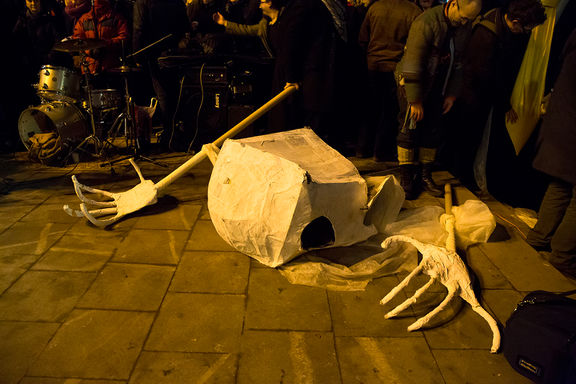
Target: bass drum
64,118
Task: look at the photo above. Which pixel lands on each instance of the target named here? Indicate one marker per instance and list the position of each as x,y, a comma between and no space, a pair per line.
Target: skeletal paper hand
117,205
445,266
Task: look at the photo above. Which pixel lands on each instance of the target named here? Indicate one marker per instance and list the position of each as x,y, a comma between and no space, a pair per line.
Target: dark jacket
155,19
492,60
35,35
103,23
427,58
260,30
384,32
304,41
557,140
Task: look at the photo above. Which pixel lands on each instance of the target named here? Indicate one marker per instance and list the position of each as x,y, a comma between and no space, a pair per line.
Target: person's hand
511,116
416,111
218,18
448,104
297,85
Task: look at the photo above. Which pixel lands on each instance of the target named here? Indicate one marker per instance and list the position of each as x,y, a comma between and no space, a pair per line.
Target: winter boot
409,181
428,183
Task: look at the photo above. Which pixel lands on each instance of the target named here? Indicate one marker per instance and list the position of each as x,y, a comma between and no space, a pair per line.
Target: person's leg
429,140
406,141
563,242
550,215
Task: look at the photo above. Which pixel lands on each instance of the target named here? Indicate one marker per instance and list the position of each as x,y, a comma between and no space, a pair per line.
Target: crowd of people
396,80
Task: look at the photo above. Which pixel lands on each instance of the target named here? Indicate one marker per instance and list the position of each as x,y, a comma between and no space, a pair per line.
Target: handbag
540,338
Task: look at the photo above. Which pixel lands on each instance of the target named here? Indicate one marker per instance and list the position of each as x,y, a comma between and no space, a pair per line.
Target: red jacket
112,27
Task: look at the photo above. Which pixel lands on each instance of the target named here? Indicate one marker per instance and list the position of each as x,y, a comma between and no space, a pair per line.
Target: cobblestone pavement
160,298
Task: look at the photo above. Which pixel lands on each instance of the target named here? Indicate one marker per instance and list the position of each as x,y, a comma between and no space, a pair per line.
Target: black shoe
409,181
428,183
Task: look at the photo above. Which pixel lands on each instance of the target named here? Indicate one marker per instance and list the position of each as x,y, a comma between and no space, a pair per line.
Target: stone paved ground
160,298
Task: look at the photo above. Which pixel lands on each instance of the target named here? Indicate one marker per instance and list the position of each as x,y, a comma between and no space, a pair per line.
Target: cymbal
126,69
78,45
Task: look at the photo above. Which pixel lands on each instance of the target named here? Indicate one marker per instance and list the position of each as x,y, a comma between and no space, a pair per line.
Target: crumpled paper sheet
352,268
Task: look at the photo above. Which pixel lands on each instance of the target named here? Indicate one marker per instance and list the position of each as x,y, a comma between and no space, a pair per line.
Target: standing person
492,60
303,38
154,20
74,9
102,23
428,84
38,27
306,40
556,226
383,35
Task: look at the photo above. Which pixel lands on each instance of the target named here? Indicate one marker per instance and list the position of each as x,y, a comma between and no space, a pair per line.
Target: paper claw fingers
493,326
137,169
78,185
411,300
72,212
425,319
402,284
91,215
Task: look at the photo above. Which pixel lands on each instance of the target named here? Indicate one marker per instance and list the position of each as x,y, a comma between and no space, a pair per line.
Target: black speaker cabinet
202,114
237,113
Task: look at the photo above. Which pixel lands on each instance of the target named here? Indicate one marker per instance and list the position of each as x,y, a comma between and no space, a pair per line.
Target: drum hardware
125,121
93,137
70,45
126,118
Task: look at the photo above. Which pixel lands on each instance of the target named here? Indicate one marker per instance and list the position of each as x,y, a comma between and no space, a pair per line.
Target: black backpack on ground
540,338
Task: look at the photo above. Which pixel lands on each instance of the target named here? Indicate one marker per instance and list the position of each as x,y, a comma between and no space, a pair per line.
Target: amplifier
210,75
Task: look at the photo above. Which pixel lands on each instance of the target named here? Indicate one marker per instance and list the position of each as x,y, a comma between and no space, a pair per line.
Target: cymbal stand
92,137
126,120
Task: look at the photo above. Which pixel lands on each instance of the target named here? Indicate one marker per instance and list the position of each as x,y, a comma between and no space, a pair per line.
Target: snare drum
105,99
59,84
57,116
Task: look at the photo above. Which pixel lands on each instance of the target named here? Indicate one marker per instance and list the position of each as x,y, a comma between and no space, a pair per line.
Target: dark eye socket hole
319,233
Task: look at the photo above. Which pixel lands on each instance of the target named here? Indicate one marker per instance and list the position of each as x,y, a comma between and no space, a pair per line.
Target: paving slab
95,344
376,360
212,272
12,267
26,195
168,215
44,296
129,287
151,246
469,366
205,238
274,304
465,331
10,214
524,267
49,213
21,344
501,302
288,357
185,368
27,238
117,230
489,276
189,322
66,380
359,313
78,253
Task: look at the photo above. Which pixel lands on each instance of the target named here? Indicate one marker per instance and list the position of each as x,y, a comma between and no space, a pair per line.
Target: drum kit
79,114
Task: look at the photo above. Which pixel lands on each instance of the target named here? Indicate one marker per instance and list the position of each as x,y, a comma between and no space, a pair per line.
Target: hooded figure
103,23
